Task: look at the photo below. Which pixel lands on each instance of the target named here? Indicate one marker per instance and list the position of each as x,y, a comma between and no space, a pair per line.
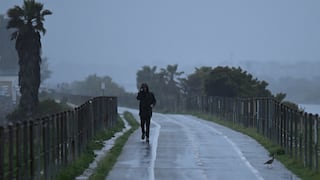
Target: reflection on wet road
137,159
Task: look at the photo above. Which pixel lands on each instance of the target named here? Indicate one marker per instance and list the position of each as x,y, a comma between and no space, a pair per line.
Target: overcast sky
118,37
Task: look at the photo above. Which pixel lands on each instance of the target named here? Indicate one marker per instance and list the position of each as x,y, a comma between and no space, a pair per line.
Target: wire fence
295,131
39,148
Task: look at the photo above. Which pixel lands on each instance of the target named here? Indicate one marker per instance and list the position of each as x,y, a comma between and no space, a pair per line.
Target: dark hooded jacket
147,101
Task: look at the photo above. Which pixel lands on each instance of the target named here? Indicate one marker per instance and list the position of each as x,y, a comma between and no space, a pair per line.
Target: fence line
39,148
296,132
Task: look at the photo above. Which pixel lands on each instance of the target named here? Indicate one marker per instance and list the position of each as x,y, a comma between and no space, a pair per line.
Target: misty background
276,41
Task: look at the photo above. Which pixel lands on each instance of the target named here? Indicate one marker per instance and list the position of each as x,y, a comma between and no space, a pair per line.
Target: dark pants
145,122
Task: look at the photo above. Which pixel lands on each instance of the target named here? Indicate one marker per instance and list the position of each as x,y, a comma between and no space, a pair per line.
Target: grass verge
78,166
293,165
105,165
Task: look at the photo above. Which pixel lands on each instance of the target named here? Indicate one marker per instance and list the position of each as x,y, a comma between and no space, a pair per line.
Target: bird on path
269,162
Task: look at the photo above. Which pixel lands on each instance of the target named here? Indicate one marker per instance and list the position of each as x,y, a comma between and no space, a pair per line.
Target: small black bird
270,161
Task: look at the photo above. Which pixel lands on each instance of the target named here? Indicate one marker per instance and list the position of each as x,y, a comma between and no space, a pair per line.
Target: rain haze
183,131
271,39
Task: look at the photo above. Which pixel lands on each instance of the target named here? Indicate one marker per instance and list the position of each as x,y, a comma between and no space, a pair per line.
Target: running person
147,102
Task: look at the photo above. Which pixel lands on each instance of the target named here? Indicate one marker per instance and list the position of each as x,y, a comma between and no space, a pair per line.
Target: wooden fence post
286,128
1,152
76,132
301,130
277,122
310,142
10,152
92,107
267,115
65,138
18,150
258,112
295,116
45,145
61,142
281,123
31,125
291,122
25,168
57,143
316,136
305,138
37,145
54,158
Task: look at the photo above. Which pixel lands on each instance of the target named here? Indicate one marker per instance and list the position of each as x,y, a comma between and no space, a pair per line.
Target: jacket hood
144,85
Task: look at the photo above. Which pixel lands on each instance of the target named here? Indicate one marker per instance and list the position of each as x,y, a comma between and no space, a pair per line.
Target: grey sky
117,37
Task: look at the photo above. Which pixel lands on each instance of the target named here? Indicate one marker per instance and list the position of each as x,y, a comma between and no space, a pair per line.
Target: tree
147,75
194,83
170,75
164,84
171,89
220,83
28,23
234,82
280,96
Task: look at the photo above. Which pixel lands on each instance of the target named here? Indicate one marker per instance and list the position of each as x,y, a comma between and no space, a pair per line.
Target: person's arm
140,94
154,101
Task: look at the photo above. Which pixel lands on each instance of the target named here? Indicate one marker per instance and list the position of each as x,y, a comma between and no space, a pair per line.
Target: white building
9,85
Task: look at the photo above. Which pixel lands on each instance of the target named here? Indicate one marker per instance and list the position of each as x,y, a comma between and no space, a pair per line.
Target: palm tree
28,23
173,88
147,75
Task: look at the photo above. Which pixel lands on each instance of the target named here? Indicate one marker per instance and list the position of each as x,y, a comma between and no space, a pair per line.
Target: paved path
184,147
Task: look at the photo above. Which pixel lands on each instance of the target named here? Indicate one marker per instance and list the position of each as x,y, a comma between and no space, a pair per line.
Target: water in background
311,108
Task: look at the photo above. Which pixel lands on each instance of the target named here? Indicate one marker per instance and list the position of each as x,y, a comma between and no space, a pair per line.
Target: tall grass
78,166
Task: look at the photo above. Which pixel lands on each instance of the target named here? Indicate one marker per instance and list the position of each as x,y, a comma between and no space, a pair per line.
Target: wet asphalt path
185,147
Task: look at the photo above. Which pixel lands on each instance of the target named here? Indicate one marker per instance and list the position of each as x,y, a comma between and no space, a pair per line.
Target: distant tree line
170,87
92,85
